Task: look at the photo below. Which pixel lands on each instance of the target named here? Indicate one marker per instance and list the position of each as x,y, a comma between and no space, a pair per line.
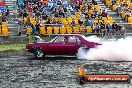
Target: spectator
93,15
38,14
33,30
89,6
48,22
114,27
73,23
30,8
83,8
128,14
102,26
65,3
80,22
32,15
4,18
60,24
97,28
68,14
86,16
82,16
35,8
92,22
54,22
87,22
25,14
15,8
44,16
96,11
20,26
99,17
104,14
108,28
7,13
61,13
37,27
94,2
59,2
118,9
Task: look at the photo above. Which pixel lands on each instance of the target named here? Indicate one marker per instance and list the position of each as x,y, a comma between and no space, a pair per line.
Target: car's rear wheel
38,53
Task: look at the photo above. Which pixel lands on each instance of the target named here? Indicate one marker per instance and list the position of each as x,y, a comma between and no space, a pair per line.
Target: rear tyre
38,53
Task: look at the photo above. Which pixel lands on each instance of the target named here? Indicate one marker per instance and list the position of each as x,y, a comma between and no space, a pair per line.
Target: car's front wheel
38,53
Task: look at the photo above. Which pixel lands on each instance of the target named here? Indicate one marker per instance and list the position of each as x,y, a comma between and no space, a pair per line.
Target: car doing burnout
64,44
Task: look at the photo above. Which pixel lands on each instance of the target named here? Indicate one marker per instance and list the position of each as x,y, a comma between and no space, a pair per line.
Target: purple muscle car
63,44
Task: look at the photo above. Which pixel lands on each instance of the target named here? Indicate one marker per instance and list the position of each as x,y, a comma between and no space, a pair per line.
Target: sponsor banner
113,78
2,2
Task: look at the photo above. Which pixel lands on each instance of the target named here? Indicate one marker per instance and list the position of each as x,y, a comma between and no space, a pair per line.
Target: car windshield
54,39
58,39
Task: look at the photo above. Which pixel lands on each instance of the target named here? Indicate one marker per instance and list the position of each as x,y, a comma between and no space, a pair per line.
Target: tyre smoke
119,50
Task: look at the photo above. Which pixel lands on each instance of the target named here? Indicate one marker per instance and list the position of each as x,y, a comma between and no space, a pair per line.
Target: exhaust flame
120,50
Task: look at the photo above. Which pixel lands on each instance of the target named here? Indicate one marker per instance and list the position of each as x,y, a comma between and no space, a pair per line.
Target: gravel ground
59,72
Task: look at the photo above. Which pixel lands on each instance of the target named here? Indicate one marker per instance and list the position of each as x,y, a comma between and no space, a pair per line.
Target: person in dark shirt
114,27
7,13
4,19
44,16
25,14
23,6
97,28
86,16
37,27
35,8
102,26
89,6
104,14
73,23
59,2
37,14
99,17
94,2
93,15
80,22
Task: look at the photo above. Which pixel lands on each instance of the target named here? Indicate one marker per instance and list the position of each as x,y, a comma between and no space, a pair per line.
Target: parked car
63,44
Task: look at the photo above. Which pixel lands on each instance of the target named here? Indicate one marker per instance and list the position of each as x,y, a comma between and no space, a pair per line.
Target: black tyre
38,53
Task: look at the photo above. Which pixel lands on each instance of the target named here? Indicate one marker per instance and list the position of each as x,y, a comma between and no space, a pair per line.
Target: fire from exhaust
119,50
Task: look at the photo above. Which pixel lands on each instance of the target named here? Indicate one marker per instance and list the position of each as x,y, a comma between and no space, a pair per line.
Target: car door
73,45
57,47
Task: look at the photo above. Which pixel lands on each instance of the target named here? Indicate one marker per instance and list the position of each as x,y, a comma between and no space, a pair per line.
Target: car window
73,39
60,39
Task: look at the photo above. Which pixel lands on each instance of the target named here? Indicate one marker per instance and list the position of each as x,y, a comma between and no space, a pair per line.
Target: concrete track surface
59,72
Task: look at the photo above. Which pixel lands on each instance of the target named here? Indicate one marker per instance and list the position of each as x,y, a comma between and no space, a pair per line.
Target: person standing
15,8
20,26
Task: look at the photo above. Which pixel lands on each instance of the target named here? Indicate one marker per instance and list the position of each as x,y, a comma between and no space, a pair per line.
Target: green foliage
12,47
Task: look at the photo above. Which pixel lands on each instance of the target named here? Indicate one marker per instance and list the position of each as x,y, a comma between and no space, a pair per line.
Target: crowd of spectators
124,7
46,14
121,6
4,14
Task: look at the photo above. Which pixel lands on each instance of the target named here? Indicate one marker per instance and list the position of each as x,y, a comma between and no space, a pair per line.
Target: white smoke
120,50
